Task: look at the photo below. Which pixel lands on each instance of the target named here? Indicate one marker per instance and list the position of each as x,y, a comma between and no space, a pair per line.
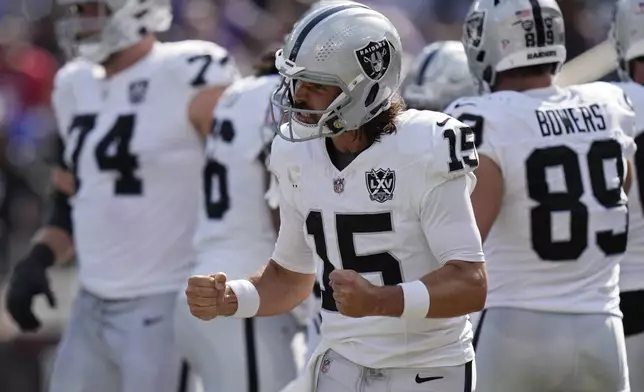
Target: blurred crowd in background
30,57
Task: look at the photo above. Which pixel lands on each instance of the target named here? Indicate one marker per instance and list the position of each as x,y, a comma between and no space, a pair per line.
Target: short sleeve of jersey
291,250
202,64
448,221
61,100
625,113
454,153
634,97
468,111
445,210
626,139
65,92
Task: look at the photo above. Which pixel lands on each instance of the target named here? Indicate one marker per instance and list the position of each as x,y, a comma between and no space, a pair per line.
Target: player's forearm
58,240
280,290
456,289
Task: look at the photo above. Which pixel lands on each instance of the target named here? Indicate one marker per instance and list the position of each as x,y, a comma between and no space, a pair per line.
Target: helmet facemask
349,47
80,25
330,121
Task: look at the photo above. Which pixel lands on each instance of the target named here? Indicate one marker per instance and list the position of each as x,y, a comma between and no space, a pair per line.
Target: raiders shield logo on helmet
374,58
474,28
381,184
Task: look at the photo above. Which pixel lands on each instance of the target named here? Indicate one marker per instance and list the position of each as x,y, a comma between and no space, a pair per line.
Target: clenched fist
206,295
354,295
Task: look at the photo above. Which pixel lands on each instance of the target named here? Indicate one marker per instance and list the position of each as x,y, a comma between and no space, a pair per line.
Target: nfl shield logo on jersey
381,184
338,185
374,58
326,365
138,90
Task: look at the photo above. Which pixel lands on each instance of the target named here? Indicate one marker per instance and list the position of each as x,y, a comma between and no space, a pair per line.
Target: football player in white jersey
371,194
628,37
313,305
235,233
438,76
132,113
550,204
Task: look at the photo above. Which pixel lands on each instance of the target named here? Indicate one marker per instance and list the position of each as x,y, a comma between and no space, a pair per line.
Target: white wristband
247,298
416,300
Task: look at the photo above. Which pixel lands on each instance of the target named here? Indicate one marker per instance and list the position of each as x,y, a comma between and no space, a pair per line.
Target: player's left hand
354,295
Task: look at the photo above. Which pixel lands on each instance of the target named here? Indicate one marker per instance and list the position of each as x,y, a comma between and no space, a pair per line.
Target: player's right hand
205,295
29,279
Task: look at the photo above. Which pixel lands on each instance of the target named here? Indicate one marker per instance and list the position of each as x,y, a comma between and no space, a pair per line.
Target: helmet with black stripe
345,45
438,76
499,35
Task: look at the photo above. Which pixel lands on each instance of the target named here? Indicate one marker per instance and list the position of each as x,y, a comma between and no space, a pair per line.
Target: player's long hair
385,122
265,65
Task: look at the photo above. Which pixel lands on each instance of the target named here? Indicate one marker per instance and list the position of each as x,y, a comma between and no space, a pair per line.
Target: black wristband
60,215
41,255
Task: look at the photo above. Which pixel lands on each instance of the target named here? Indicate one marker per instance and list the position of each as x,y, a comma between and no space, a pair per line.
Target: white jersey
137,160
234,217
384,217
631,276
562,228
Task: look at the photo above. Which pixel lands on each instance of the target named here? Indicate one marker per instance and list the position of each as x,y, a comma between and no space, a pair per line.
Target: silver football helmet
499,35
316,6
438,76
627,34
111,26
346,45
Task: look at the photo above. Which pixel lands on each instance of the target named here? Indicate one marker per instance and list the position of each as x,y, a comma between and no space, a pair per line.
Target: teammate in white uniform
550,204
235,234
438,76
375,193
628,37
131,112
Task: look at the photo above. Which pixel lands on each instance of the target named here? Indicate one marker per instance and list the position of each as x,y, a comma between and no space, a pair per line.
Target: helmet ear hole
371,96
334,124
623,65
487,75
